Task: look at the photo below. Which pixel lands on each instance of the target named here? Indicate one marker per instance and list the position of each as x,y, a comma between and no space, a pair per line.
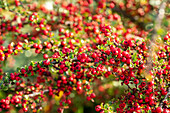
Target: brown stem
154,35
127,15
35,93
158,21
166,96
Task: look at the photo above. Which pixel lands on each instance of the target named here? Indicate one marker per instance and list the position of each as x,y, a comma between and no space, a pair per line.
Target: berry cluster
81,45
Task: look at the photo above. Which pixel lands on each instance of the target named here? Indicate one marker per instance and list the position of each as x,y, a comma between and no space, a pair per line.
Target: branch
36,93
166,96
154,35
158,21
127,15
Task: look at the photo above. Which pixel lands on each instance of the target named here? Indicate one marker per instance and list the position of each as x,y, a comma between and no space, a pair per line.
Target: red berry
166,38
93,95
126,82
111,61
10,51
25,109
98,108
88,98
158,109
35,45
136,81
45,56
63,43
112,5
94,55
122,77
63,78
59,110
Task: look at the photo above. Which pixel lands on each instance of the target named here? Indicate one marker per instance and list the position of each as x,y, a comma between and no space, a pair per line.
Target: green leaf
149,111
67,63
161,61
161,31
164,50
24,45
164,67
101,47
131,64
143,111
5,88
10,95
121,64
43,28
71,56
37,29
32,63
106,106
134,60
149,26
134,64
98,47
29,74
2,86
161,80
61,53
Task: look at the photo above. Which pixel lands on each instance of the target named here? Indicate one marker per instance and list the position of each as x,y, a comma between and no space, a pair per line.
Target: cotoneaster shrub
80,43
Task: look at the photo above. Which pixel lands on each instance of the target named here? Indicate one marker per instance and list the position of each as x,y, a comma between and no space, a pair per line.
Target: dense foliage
77,46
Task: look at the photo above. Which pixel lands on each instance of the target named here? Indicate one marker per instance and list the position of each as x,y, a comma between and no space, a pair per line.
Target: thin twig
158,21
36,93
127,15
154,35
166,96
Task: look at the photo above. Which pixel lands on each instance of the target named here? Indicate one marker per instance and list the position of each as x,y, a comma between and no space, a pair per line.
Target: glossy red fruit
98,108
45,56
25,109
158,109
93,95
136,81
